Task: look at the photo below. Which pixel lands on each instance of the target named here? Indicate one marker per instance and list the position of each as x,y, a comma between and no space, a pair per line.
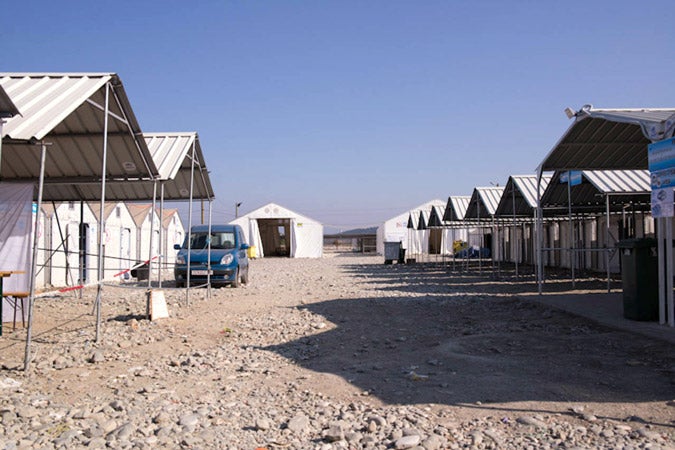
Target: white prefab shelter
174,233
147,225
119,240
396,228
277,231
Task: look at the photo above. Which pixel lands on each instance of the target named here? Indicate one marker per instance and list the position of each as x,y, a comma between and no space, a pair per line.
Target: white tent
396,228
276,231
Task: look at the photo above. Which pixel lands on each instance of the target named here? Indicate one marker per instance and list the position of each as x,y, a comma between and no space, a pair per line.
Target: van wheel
237,275
244,277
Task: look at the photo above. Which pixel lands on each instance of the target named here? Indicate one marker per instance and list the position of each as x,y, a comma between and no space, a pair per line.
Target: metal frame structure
614,139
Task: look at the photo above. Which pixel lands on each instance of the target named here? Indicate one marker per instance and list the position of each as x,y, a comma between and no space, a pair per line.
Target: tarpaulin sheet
15,239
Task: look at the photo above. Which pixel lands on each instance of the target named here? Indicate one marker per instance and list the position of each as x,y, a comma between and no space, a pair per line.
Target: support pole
669,272
539,237
609,284
189,232
661,252
162,237
571,227
101,227
515,244
208,265
33,268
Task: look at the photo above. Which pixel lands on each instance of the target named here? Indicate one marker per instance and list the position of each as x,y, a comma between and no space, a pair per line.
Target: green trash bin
640,278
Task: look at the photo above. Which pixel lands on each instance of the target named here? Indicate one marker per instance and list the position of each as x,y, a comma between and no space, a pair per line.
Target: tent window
118,212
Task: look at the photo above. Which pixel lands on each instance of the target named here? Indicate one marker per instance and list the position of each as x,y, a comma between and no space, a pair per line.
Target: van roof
205,228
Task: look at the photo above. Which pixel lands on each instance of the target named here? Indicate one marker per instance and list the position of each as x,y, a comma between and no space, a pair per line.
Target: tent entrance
275,236
435,241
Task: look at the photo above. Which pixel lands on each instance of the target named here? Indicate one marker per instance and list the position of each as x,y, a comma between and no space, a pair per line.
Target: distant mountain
356,232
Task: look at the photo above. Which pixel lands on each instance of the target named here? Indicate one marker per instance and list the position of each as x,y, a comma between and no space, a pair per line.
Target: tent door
275,235
435,241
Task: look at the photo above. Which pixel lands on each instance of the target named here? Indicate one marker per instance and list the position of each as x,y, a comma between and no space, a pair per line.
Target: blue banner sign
573,177
661,159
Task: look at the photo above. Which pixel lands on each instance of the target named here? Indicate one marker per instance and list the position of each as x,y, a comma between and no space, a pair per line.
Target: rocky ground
338,353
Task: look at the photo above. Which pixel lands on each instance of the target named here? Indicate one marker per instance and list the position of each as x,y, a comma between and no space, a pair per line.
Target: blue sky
351,112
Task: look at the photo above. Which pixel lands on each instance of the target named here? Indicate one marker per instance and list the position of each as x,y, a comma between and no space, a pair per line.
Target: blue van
229,259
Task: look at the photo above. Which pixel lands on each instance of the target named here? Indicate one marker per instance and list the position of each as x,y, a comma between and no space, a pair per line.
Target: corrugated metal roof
413,220
484,202
609,139
524,189
172,153
622,186
455,209
66,111
423,220
436,216
7,107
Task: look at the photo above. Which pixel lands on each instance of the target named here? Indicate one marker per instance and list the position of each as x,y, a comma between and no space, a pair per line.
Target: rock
334,433
530,421
262,424
433,442
189,420
298,424
407,442
97,357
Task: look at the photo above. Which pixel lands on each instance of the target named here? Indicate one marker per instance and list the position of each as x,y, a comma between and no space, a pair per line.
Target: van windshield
221,240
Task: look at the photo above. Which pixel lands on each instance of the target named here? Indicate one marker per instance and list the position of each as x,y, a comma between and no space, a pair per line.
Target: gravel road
341,352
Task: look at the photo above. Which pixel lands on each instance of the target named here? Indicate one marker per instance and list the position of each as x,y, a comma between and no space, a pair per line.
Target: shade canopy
67,112
520,196
455,209
172,153
484,202
619,187
609,139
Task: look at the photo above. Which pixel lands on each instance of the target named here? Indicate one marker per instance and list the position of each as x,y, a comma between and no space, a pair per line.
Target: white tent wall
119,241
306,239
65,270
15,238
395,229
143,238
305,235
174,233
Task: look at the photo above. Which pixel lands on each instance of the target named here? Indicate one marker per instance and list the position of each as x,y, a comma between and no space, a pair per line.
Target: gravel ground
337,353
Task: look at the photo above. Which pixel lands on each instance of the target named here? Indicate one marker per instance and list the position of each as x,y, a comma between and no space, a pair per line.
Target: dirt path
341,331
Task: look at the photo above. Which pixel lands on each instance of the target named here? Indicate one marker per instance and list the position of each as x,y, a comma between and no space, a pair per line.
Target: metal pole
189,233
151,249
609,286
208,265
669,278
82,243
33,268
661,252
480,241
162,238
515,245
99,288
539,237
571,226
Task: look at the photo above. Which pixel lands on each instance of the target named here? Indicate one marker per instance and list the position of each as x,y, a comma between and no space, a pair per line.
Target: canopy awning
521,189
172,153
609,139
624,187
67,112
455,209
484,202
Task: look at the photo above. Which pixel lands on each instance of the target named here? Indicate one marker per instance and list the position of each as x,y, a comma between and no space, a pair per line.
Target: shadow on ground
477,346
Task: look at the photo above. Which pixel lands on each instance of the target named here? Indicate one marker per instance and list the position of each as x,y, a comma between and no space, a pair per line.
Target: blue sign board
573,177
661,158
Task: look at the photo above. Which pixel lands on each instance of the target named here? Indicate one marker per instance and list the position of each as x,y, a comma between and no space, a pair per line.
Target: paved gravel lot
337,353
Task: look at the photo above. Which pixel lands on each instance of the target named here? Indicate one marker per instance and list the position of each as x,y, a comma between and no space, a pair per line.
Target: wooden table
3,275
